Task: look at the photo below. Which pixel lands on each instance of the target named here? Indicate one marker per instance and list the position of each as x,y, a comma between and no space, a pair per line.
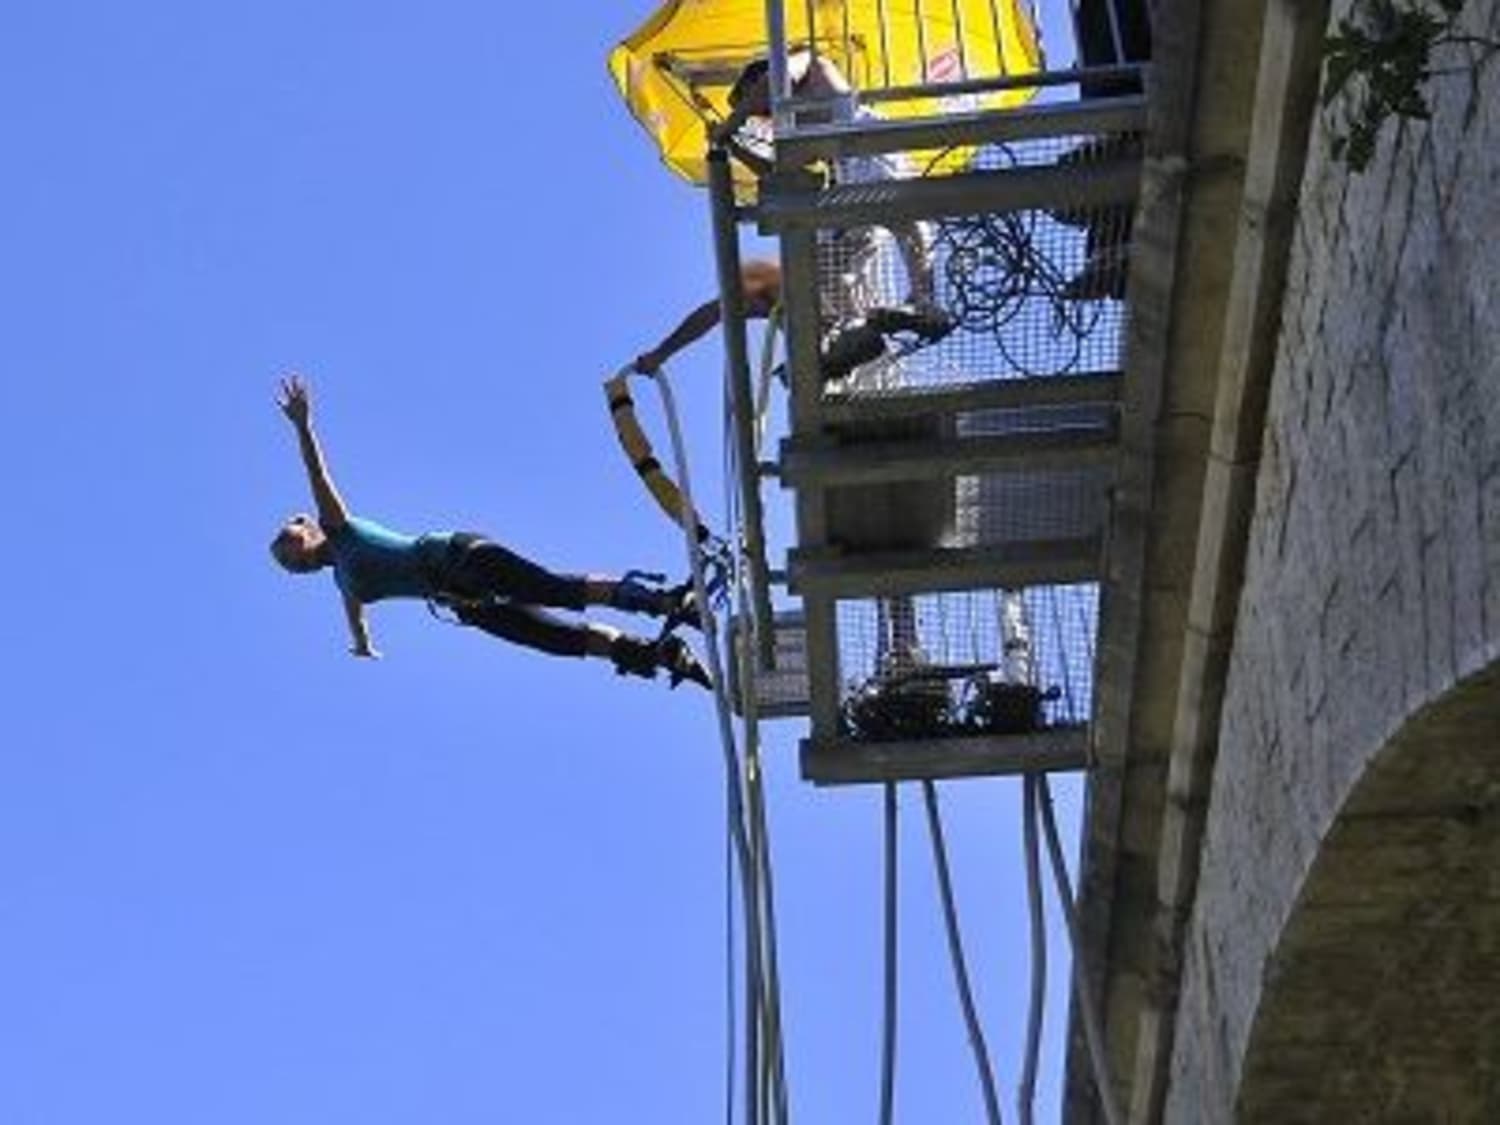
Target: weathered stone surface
1342,961
1379,1001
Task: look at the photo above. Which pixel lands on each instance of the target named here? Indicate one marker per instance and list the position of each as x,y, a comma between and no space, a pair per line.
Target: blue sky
245,878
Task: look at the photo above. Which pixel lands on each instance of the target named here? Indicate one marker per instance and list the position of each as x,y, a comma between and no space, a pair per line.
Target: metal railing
938,58
913,440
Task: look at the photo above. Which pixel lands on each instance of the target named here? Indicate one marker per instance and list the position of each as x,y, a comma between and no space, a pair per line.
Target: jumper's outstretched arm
359,630
296,403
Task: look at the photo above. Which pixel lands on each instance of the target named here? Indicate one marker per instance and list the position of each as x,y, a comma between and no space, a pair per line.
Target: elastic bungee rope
767,374
715,566
888,1021
750,717
765,1083
668,496
1026,1094
956,955
1088,1006
773,1074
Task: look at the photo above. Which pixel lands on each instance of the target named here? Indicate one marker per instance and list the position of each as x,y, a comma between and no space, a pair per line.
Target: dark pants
498,591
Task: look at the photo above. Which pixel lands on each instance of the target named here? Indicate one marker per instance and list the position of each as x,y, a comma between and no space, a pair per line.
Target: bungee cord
775,1056
754,777
736,798
774,1073
956,954
768,371
669,496
736,577
764,1094
1087,1004
888,1033
1026,1093
731,1018
1036,803
765,1091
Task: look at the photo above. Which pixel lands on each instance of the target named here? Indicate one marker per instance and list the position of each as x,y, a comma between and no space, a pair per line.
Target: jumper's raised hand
296,403
294,400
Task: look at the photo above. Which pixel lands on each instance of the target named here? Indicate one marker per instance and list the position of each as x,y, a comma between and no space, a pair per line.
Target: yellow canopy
675,71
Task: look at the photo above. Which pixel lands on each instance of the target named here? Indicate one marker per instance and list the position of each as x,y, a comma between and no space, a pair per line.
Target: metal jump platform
953,296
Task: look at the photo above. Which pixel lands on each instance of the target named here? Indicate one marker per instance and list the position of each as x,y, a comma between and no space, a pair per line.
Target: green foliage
1380,60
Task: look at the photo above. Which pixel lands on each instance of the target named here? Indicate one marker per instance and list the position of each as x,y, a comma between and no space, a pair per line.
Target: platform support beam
843,761
1038,562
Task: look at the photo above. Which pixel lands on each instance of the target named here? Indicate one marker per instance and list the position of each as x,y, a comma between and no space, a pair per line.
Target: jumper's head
299,545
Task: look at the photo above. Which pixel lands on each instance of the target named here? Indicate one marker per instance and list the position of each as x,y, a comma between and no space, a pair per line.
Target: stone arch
1381,1001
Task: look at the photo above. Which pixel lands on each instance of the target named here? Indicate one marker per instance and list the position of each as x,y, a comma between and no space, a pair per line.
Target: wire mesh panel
977,510
996,508
1050,490
973,662
1031,503
953,301
781,691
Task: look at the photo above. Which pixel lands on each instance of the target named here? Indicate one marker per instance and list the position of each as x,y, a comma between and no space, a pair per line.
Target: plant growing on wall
1381,56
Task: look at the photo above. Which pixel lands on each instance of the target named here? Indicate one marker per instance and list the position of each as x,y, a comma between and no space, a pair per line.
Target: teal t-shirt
371,562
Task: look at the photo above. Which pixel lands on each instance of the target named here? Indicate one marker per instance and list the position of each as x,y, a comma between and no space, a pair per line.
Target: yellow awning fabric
675,71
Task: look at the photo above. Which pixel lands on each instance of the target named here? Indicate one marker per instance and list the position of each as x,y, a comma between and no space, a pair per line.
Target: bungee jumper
483,584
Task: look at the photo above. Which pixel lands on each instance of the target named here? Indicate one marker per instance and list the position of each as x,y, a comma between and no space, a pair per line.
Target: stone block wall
1372,581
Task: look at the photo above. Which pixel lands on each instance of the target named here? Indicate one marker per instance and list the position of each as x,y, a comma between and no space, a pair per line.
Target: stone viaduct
1291,876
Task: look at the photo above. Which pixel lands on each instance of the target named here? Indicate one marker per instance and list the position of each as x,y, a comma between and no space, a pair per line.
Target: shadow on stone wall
1381,1001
